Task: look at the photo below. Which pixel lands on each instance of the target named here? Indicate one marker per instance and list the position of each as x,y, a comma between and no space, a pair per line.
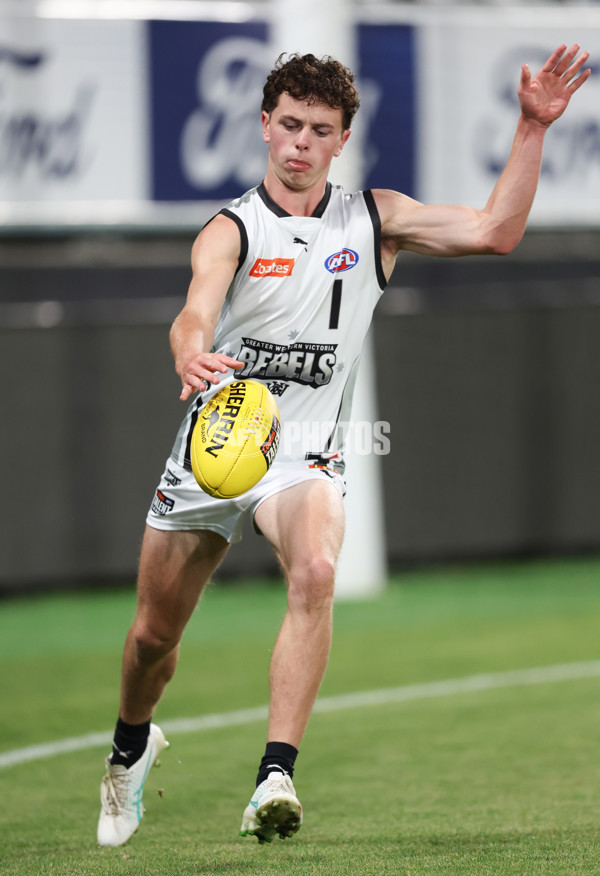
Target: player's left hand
544,97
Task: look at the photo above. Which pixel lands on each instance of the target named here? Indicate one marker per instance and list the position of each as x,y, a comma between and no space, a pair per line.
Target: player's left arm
496,229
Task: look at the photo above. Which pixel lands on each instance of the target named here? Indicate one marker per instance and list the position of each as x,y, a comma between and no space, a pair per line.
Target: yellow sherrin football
235,439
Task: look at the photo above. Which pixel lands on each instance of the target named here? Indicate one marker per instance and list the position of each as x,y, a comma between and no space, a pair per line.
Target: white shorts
179,503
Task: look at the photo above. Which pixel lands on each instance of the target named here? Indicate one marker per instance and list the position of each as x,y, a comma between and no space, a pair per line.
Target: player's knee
311,585
153,642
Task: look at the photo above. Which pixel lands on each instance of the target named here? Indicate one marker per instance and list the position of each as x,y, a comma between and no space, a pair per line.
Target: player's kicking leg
121,792
305,525
174,567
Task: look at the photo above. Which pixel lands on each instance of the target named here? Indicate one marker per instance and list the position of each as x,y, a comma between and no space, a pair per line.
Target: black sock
279,755
129,742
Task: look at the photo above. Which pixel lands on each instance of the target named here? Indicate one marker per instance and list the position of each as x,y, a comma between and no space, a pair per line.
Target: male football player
284,284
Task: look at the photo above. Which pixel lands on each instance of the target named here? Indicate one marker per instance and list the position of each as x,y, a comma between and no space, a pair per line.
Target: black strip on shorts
335,426
187,459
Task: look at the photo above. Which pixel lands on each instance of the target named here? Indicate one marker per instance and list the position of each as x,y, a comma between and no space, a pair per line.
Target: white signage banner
469,71
73,116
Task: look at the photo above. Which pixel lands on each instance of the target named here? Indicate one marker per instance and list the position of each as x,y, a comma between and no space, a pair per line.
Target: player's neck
295,202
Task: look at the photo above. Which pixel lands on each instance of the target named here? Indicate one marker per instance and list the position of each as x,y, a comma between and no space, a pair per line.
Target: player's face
303,139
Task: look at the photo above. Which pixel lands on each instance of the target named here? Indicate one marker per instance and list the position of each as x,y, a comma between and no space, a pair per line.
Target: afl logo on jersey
341,261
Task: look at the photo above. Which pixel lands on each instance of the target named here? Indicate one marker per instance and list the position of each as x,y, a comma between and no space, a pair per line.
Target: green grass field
496,781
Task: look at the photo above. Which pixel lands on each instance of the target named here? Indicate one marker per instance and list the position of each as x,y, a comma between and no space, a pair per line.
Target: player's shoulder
229,221
388,200
220,226
355,204
220,238
393,208
383,201
243,202
339,193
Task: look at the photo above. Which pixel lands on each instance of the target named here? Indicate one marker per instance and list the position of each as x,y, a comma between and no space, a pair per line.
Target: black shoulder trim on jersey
208,222
274,207
375,219
243,236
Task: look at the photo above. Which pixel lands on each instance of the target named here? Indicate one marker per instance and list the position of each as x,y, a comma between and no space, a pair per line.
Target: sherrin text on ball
235,439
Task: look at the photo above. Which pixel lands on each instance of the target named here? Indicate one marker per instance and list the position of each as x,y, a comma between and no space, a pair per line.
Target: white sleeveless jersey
297,312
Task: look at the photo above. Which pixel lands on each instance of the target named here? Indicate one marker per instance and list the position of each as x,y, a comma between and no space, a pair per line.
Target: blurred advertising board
206,91
72,111
468,114
147,122
206,87
131,122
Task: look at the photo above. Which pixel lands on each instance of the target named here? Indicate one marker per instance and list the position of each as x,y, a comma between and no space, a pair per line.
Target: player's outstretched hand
544,97
202,371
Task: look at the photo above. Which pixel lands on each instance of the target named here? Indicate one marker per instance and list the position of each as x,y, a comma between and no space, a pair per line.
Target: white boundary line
404,694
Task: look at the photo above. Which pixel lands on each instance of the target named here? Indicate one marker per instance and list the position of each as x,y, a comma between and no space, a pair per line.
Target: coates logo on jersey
272,268
341,261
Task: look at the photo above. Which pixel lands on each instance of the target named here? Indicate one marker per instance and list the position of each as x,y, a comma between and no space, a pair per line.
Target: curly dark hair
315,80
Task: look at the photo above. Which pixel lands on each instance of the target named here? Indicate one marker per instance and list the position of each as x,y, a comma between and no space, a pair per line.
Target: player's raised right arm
215,257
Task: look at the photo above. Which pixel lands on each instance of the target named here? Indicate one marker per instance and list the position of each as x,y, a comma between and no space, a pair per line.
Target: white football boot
121,793
273,809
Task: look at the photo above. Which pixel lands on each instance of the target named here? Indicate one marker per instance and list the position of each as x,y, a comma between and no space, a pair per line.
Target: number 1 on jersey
336,301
